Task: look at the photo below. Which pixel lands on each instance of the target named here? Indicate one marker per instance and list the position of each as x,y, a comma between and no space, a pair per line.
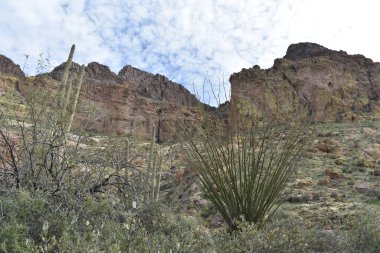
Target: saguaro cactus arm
73,104
63,87
158,182
67,98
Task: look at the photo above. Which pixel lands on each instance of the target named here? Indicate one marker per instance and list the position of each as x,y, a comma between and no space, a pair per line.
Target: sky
193,42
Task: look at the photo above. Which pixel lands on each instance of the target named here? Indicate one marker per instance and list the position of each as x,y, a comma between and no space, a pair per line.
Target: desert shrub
289,234
363,233
36,222
244,167
40,157
132,176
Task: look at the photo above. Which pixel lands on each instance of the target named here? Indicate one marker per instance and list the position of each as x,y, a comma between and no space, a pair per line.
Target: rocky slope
313,80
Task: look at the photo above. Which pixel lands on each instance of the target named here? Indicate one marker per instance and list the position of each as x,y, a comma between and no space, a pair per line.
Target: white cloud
184,40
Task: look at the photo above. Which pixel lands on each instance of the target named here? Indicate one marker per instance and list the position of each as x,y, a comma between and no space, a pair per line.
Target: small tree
244,167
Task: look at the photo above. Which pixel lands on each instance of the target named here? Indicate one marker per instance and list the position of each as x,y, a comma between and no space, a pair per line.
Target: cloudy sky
186,40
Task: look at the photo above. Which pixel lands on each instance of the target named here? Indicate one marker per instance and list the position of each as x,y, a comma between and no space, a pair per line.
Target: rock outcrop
95,73
313,80
7,66
120,109
157,87
309,80
132,101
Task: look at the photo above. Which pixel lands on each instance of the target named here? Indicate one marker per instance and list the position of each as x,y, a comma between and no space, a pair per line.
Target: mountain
313,80
130,102
309,80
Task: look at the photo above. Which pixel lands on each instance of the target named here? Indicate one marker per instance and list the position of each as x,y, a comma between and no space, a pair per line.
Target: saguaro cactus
65,76
154,170
156,192
72,105
68,97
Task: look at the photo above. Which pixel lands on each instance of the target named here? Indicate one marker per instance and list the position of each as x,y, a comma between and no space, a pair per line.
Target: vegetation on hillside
63,190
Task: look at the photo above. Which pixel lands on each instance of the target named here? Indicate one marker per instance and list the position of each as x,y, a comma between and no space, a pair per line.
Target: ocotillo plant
68,98
245,167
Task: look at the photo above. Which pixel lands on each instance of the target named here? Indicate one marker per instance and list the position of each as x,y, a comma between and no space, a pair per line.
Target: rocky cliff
7,66
309,80
130,102
313,80
157,87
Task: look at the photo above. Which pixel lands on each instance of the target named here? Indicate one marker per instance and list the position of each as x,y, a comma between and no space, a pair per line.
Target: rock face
7,66
157,87
132,101
315,81
119,109
306,50
96,73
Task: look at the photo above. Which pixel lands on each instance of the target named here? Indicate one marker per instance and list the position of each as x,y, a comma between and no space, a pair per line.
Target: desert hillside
133,162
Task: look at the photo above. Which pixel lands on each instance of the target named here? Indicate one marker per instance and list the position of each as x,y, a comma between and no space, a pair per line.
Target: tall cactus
156,193
68,97
154,171
151,163
126,157
65,76
72,105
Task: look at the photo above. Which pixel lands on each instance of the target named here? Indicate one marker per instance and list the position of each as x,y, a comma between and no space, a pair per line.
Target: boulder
334,175
373,151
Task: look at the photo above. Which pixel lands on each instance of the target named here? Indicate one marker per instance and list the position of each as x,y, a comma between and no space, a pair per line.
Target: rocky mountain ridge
129,102
154,86
314,81
309,80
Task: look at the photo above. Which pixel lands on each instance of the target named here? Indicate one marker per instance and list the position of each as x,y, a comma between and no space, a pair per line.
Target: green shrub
292,235
36,222
244,169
